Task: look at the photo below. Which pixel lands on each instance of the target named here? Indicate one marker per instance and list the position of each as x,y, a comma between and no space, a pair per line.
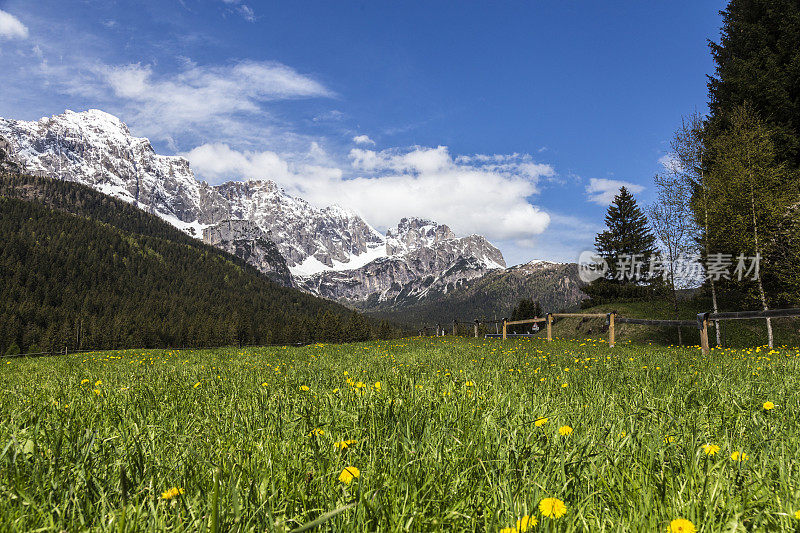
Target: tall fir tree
757,70
628,237
627,246
758,62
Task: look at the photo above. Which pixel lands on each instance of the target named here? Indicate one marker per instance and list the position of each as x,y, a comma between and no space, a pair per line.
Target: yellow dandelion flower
98,383
669,439
316,431
97,391
768,406
304,387
85,381
739,456
377,386
540,422
196,384
335,390
171,493
509,530
564,431
552,508
526,522
681,525
797,514
564,386
710,449
349,474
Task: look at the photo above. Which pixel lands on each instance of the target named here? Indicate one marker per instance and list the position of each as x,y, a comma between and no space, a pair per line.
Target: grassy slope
449,442
736,333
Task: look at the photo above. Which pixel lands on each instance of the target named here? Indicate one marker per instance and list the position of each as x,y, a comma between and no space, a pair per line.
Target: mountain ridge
317,244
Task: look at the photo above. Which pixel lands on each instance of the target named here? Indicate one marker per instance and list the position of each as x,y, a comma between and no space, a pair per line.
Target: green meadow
433,434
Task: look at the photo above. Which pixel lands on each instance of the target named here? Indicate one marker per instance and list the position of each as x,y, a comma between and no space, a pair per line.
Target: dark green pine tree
758,69
526,308
627,240
758,63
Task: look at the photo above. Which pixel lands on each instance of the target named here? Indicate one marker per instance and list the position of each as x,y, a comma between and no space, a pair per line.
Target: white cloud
221,99
363,139
243,9
602,191
470,196
671,163
11,27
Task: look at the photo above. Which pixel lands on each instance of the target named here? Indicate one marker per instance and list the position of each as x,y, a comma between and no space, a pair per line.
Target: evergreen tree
758,61
757,68
385,330
357,329
628,239
525,309
330,328
627,246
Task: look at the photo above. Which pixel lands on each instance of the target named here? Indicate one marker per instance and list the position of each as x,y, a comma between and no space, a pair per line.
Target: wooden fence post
704,337
549,327
504,329
612,338
476,329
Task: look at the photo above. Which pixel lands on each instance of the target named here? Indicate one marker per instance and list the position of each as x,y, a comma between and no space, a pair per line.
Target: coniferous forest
82,270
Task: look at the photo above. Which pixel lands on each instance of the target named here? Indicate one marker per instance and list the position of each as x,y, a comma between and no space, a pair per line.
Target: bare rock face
421,256
8,163
300,230
245,239
330,251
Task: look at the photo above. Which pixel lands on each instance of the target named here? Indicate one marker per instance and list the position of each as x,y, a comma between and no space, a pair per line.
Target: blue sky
515,120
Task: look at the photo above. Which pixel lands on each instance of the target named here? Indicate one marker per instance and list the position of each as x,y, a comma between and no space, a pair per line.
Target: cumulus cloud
11,27
474,194
602,191
363,139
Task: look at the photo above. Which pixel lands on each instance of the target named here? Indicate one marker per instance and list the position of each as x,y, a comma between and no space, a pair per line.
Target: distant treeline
82,270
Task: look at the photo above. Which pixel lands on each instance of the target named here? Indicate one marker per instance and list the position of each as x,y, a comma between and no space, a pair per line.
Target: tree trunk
675,300
758,255
717,329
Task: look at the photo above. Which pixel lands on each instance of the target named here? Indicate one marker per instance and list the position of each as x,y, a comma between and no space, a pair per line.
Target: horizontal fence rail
651,322
612,319
745,315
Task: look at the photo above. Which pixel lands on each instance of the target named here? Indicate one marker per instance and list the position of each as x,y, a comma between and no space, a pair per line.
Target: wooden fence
612,319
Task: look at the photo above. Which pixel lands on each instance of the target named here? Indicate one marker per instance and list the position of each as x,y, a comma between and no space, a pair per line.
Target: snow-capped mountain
420,256
331,251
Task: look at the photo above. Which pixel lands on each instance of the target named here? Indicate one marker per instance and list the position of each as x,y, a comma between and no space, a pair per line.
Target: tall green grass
448,440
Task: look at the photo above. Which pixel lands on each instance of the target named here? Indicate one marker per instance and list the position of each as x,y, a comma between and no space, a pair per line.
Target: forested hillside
555,286
83,270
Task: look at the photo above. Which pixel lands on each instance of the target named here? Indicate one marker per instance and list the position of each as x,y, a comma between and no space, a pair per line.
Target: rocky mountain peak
247,217
414,233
